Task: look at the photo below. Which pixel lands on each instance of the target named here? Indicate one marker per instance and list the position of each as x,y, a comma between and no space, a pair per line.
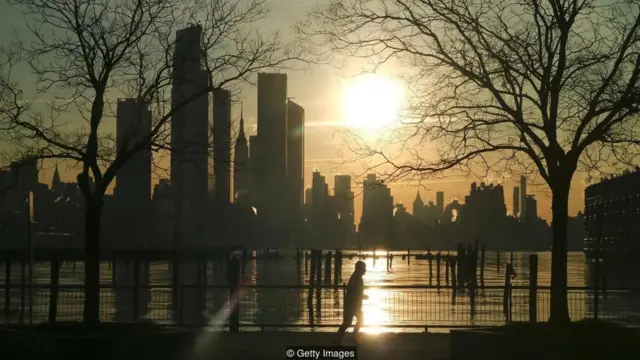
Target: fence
275,306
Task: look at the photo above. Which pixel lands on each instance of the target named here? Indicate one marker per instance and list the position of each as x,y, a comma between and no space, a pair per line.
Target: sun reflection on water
376,308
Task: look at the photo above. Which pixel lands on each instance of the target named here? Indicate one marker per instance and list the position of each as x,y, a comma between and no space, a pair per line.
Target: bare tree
503,84
86,53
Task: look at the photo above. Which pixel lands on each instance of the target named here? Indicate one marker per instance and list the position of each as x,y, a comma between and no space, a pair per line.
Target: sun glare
371,102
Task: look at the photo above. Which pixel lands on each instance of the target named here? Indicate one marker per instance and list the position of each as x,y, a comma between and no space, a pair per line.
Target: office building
440,202
295,159
523,197
222,146
377,212
272,130
516,201
344,204
612,216
133,181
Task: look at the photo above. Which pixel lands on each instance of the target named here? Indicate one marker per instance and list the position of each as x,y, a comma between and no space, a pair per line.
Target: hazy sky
320,90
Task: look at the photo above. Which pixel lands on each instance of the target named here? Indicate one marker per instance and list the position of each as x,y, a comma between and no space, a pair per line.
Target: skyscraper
344,202
377,212
189,165
523,197
295,158
256,169
272,130
133,182
440,202
189,137
222,146
516,201
241,173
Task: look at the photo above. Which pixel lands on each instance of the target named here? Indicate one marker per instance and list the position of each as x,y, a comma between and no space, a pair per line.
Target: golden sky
320,90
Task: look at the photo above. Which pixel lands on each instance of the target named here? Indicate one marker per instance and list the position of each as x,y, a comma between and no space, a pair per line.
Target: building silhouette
612,217
523,197
189,166
344,208
241,171
516,201
222,147
189,137
377,213
133,181
295,162
272,130
440,202
532,207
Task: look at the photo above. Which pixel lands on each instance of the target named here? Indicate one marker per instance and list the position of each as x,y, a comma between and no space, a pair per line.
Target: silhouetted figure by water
353,302
507,302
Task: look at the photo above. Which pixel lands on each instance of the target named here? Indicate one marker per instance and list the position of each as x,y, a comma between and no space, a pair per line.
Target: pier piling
7,285
53,289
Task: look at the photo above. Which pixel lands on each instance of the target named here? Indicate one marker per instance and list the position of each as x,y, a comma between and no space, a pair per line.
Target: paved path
273,345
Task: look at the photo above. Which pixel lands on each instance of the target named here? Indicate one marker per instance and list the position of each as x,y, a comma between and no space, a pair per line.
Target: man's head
361,267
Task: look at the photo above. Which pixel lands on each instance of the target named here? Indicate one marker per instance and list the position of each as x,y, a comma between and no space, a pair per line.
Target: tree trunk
560,209
93,212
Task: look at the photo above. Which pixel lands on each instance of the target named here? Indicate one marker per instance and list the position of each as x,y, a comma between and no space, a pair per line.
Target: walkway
273,345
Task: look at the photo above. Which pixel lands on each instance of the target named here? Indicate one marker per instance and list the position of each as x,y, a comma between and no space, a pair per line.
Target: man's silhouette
353,301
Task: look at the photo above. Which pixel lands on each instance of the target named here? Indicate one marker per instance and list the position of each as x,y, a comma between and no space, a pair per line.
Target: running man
353,302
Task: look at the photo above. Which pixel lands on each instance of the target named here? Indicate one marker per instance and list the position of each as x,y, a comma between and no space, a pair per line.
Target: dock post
306,263
533,288
336,265
408,257
318,281
233,273
136,289
374,257
429,258
53,289
446,270
482,254
311,280
498,261
438,260
7,284
22,290
327,268
298,262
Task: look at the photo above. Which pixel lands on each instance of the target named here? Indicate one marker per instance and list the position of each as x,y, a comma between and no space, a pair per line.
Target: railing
282,306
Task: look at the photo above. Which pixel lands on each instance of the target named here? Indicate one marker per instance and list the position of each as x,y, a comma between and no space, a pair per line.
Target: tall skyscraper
377,212
440,202
222,146
133,182
241,171
418,206
532,207
516,201
189,137
295,158
189,165
256,170
344,202
272,130
523,197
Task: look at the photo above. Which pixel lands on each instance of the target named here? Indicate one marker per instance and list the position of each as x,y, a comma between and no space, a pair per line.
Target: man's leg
359,321
347,320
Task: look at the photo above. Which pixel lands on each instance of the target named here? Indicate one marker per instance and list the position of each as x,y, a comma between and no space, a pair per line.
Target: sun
372,102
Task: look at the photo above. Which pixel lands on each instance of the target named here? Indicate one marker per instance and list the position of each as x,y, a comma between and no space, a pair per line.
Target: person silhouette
353,302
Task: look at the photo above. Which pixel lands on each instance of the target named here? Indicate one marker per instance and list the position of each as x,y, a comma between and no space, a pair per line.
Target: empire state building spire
241,162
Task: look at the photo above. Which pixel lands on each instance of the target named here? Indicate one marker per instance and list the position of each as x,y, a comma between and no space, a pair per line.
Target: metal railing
287,306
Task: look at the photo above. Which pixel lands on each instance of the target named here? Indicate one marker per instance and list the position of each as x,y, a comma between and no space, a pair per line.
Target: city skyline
321,92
